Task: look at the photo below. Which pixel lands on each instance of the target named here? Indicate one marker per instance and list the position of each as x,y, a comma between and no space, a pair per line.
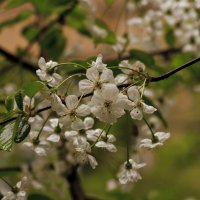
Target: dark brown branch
170,73
75,188
17,60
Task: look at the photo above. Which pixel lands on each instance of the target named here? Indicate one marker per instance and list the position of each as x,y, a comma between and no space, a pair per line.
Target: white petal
136,113
77,124
40,151
69,134
110,92
139,66
86,86
111,138
107,76
133,93
92,161
148,109
124,65
92,74
101,144
43,75
111,148
121,79
71,102
57,105
162,136
88,122
54,138
83,110
42,63
54,122
28,144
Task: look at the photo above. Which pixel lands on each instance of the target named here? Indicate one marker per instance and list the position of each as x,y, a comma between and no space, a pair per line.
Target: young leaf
9,103
30,89
21,129
19,100
6,136
53,43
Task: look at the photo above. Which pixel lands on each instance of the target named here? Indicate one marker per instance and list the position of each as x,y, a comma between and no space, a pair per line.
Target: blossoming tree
63,119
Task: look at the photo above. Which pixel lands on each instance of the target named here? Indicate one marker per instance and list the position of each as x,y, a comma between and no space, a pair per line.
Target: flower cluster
158,17
81,121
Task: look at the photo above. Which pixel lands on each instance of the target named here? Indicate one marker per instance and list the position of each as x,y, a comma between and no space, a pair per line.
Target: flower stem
152,133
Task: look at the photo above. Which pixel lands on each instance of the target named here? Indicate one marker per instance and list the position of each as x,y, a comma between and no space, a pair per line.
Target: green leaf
6,136
19,100
77,20
158,113
30,32
22,16
30,89
170,37
143,56
53,43
9,103
5,115
38,197
21,129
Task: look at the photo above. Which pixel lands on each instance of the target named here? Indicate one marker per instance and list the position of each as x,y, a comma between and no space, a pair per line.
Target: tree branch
150,80
172,72
14,59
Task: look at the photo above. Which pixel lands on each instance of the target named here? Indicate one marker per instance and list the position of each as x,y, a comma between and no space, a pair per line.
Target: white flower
72,111
96,80
158,140
138,105
128,172
18,193
46,72
82,152
106,142
40,147
108,104
53,130
98,64
128,68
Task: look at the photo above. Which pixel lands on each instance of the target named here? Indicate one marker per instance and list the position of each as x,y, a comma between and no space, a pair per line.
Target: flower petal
148,109
83,110
86,86
92,74
54,138
77,124
88,122
71,102
133,93
136,113
42,63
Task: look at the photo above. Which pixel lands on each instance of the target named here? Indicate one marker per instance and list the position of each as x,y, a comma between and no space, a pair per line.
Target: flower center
107,104
98,85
